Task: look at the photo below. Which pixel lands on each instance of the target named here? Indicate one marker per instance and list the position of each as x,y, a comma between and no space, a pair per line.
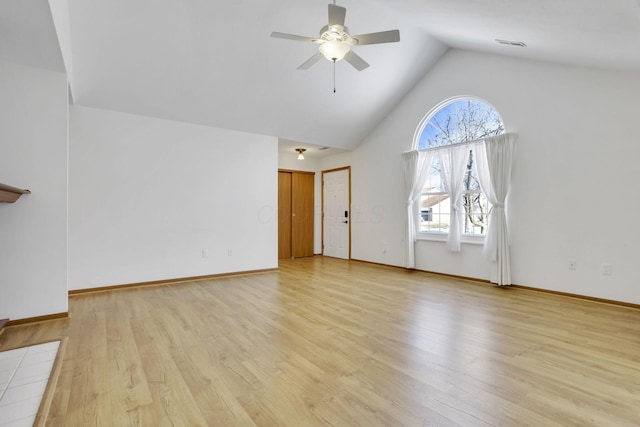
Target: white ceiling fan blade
309,62
294,37
358,63
336,15
375,38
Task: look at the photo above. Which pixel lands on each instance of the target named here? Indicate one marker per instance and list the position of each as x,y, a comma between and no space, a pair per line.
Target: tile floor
24,373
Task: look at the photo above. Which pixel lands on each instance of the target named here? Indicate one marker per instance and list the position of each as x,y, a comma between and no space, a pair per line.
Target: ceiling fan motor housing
338,33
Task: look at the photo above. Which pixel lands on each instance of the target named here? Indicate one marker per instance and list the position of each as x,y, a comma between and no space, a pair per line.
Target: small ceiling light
300,151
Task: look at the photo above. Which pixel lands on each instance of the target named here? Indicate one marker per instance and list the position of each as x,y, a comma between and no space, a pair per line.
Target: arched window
455,121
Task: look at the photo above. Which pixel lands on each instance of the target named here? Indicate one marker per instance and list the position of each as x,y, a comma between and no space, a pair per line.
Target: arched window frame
428,215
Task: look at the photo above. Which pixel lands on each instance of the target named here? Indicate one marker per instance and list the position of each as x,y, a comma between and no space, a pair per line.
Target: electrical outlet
229,252
204,253
607,269
572,264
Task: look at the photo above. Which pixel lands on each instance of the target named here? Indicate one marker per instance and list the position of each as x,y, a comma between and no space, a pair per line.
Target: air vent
323,148
511,43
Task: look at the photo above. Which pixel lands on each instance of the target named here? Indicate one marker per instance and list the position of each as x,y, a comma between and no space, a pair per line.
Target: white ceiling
213,63
27,34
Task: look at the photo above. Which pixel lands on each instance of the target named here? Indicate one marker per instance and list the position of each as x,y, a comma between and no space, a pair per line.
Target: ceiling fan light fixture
334,50
300,151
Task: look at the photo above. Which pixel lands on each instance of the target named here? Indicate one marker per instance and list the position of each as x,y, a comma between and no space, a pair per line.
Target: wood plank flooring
327,342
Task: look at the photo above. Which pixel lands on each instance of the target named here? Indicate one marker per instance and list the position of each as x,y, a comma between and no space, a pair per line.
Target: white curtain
494,159
454,163
416,166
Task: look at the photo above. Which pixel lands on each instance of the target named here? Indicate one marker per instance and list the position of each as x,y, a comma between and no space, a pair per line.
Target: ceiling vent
511,43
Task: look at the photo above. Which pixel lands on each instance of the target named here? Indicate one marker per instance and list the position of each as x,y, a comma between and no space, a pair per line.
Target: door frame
348,169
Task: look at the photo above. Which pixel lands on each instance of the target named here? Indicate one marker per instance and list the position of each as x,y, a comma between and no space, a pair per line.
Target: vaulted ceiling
214,63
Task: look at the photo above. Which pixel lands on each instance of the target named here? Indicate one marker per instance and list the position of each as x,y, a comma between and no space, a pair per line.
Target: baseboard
453,276
456,276
108,288
578,296
36,319
376,263
515,286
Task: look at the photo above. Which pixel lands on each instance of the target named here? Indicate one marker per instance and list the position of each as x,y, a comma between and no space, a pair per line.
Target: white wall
578,146
33,155
147,196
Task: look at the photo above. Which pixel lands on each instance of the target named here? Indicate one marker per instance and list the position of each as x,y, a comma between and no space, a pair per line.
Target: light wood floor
331,342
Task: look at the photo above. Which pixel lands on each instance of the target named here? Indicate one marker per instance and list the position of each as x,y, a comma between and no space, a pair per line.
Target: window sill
442,237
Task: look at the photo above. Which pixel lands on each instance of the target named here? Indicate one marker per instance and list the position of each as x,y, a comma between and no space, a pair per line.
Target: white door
336,215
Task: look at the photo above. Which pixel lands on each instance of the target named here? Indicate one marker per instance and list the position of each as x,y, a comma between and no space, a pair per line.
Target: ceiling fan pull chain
334,76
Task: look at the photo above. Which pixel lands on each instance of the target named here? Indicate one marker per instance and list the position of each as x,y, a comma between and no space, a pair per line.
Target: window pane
459,121
476,217
434,212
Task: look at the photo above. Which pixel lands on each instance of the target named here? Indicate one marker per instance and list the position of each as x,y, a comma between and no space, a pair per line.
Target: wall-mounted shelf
9,194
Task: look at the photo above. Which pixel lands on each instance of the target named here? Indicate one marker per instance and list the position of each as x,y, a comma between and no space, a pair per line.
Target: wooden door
284,215
295,214
301,214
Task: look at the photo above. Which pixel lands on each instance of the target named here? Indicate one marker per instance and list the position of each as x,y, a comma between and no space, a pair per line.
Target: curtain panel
416,165
495,159
454,165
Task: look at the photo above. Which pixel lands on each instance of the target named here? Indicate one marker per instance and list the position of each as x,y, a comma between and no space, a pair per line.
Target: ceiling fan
336,43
